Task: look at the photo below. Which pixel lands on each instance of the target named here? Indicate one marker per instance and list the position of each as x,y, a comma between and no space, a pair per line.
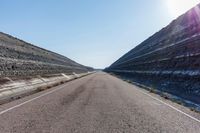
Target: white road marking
21,104
193,118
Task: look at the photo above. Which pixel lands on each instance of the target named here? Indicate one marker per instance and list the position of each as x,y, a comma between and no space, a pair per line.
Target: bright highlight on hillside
178,7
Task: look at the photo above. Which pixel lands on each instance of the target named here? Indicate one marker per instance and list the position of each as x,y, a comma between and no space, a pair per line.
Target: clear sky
92,32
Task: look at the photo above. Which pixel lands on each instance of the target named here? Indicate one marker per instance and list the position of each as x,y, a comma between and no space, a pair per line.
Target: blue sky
91,32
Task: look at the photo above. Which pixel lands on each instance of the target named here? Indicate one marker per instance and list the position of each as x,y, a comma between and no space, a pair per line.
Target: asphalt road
98,103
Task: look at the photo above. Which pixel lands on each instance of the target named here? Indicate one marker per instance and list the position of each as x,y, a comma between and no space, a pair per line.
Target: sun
178,7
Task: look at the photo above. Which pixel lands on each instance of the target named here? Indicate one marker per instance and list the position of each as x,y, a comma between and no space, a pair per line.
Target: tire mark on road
75,94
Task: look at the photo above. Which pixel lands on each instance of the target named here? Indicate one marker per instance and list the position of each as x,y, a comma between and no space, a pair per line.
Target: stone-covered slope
169,60
19,58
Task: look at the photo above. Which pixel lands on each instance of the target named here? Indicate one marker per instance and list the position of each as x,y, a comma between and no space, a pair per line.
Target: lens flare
178,7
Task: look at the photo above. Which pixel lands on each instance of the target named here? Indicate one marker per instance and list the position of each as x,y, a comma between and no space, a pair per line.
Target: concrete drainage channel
17,89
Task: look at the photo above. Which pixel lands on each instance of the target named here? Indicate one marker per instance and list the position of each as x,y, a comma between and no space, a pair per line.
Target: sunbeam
178,7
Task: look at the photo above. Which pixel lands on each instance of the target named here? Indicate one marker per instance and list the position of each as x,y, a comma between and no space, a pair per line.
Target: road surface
98,103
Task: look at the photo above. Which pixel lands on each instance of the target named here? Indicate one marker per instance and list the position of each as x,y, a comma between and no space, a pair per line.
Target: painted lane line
21,104
172,107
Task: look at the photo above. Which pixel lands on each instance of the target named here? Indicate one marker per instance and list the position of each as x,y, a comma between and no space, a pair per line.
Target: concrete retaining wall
169,60
14,89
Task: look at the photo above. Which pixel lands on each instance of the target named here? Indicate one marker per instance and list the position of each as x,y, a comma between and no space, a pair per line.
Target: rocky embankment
168,61
21,59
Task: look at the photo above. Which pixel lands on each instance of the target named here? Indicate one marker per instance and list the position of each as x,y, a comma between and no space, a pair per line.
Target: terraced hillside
19,58
169,60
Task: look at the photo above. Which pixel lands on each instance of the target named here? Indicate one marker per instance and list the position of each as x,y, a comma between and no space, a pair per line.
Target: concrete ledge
17,89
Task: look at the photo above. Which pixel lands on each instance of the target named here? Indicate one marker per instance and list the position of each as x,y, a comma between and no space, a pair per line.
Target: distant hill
19,58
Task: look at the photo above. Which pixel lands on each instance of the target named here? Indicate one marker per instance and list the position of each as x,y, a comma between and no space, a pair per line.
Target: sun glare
178,7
